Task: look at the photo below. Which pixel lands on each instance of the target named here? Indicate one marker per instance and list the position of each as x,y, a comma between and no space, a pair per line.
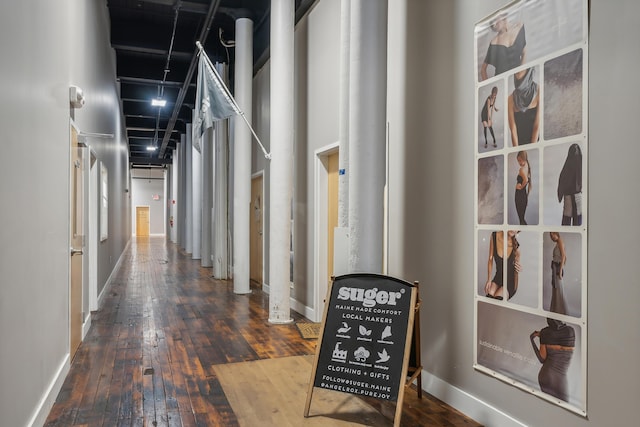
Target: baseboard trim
295,305
306,311
48,399
466,403
86,326
113,272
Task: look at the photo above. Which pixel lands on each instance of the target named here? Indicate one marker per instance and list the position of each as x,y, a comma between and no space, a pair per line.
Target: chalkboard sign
365,337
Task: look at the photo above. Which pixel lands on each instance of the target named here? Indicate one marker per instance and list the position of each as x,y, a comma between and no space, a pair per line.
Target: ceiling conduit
213,7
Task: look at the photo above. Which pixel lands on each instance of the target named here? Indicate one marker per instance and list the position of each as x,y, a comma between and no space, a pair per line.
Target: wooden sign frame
378,305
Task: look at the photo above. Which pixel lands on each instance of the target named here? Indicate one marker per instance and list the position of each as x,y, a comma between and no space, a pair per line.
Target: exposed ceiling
154,41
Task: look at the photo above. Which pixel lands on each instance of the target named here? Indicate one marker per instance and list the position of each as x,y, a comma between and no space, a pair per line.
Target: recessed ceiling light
151,148
158,102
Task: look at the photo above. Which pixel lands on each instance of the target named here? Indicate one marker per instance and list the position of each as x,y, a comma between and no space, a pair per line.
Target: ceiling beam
185,6
149,160
184,56
146,81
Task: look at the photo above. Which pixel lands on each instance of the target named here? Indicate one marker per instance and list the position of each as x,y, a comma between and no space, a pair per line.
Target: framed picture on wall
104,202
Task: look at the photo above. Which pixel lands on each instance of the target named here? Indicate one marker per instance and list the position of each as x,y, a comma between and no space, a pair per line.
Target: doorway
78,157
94,208
142,221
256,230
325,221
332,209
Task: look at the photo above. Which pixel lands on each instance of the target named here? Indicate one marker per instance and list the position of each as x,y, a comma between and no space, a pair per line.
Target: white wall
319,71
431,217
144,186
31,297
431,233
44,52
92,67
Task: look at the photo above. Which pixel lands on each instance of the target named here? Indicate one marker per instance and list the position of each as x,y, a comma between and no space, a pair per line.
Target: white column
281,165
343,154
168,172
175,179
207,145
367,121
182,195
242,155
196,191
341,233
188,170
220,246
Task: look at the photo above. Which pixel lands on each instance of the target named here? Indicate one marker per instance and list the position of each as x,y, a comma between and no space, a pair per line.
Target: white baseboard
464,402
86,326
295,305
113,272
103,292
49,397
306,311
46,403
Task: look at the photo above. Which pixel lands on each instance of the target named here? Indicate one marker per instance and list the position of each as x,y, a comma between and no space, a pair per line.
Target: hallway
164,323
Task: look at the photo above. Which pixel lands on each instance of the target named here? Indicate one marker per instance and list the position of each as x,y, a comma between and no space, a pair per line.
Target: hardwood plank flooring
164,323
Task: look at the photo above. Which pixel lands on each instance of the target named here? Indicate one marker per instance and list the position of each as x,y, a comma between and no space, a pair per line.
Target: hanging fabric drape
214,101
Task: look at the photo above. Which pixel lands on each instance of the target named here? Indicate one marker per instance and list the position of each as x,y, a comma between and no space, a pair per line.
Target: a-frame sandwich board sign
365,340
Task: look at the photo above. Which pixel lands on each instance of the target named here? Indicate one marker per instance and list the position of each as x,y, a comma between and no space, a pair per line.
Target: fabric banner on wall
531,198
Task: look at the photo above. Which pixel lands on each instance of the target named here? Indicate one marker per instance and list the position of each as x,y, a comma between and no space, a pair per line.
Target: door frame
260,174
79,289
94,208
320,224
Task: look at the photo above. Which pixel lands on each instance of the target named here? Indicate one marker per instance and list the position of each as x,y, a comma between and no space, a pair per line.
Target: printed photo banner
531,150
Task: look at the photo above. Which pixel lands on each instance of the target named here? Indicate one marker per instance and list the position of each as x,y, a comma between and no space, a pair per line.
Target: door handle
75,251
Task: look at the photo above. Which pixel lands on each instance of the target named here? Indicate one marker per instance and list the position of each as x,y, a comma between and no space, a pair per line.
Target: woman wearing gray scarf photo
523,111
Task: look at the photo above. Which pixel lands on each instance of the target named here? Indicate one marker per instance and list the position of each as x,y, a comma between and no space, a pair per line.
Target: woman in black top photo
494,285
507,49
523,111
557,344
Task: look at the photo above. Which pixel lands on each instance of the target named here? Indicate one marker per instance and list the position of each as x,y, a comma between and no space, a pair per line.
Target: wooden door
255,231
76,240
142,221
332,208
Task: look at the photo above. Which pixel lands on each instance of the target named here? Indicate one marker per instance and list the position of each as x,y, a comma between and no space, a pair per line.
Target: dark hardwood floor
164,322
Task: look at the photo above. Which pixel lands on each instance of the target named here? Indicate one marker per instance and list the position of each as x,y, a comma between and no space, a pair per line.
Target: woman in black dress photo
487,115
523,186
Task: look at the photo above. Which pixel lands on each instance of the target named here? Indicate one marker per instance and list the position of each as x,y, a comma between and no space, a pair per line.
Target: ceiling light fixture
158,102
151,148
